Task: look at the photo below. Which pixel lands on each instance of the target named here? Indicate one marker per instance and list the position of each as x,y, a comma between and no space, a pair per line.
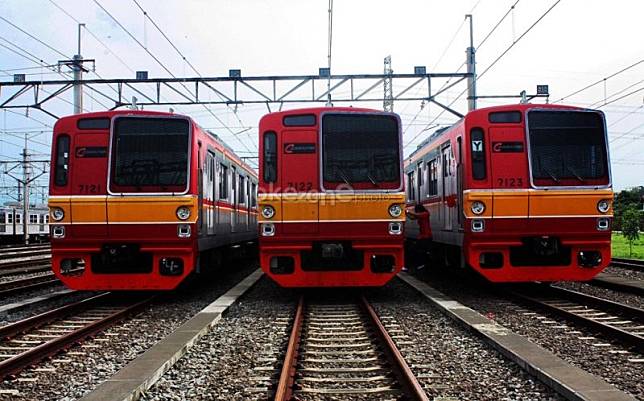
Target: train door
459,184
447,199
299,174
234,213
508,164
223,210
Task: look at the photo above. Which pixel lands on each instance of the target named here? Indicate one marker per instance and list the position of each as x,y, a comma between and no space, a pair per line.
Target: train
12,223
331,197
517,193
141,200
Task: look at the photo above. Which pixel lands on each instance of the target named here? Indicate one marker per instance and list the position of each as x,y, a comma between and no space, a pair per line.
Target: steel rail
624,312
8,288
17,363
285,386
402,370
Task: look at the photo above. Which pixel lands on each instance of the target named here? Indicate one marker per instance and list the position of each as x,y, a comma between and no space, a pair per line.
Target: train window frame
299,120
241,197
446,157
46,218
270,161
432,174
419,180
61,164
505,117
33,218
95,123
18,218
479,166
411,185
253,194
9,217
223,182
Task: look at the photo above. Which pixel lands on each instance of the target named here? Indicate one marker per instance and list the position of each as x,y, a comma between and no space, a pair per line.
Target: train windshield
150,154
568,148
360,151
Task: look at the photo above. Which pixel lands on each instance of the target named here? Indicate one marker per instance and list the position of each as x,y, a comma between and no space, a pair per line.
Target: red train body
140,200
331,197
518,193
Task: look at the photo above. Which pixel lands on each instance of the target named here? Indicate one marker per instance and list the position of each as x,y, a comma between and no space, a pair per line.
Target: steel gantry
233,90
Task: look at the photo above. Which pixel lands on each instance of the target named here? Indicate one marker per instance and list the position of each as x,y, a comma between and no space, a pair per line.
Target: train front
539,202
331,197
122,203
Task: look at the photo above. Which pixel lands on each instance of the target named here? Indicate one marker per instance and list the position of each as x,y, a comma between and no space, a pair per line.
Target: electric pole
77,67
471,69
388,98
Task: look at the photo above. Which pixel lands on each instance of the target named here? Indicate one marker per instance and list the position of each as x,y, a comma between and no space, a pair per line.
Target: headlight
57,213
603,205
268,212
183,213
477,207
395,210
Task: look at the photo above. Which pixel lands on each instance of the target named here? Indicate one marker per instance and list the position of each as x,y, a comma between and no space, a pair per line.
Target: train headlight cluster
183,213
477,207
603,205
395,210
268,212
57,213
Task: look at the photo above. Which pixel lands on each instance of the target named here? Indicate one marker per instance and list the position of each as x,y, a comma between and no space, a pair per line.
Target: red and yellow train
518,193
139,200
331,197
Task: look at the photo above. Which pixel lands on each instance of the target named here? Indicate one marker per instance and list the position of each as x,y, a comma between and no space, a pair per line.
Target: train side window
253,195
33,218
242,190
62,160
10,218
18,218
270,156
411,187
46,218
447,158
223,181
419,173
478,154
432,172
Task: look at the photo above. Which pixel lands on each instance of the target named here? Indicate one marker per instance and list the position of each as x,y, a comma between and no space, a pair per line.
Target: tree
631,227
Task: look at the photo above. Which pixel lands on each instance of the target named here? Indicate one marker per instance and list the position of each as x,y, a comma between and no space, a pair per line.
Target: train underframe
334,257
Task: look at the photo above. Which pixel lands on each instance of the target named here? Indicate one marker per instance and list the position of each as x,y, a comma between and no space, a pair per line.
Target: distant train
142,199
331,197
518,193
12,223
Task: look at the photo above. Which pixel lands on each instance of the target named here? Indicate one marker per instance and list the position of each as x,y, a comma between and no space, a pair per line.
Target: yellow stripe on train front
143,209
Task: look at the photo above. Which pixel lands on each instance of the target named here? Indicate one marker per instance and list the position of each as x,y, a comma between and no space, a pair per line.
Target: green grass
620,247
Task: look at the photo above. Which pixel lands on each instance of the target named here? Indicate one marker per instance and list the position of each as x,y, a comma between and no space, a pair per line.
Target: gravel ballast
585,349
76,372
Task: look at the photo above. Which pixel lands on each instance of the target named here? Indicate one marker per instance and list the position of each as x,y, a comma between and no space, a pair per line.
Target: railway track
632,264
26,284
341,350
31,340
618,321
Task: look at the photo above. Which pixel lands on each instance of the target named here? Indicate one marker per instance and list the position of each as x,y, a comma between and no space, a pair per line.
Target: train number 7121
89,188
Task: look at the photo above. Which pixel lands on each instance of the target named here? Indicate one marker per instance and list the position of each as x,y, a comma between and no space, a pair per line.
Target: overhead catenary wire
601,80
194,69
156,59
489,67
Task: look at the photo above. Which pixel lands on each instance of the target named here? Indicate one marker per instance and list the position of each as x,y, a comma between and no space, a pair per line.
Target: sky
573,45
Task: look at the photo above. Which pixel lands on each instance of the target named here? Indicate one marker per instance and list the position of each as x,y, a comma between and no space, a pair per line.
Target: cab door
509,167
299,173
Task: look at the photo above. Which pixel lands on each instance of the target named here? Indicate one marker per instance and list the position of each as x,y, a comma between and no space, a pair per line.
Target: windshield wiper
343,175
373,181
550,174
575,174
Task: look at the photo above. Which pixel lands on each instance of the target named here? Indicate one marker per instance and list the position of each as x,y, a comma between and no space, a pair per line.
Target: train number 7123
509,182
